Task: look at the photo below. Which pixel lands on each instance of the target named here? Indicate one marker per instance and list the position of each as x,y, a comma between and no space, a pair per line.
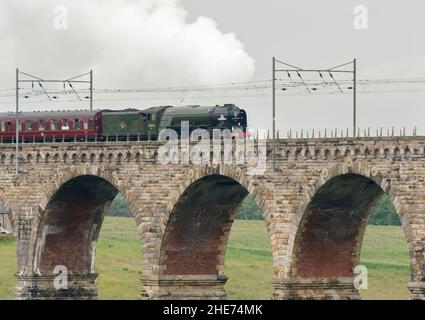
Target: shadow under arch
329,238
71,222
67,234
194,242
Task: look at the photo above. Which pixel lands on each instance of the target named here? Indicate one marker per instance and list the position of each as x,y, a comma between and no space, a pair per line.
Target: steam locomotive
119,125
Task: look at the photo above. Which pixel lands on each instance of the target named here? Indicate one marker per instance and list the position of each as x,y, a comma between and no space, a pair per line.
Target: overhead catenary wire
178,98
284,86
306,86
44,90
70,84
231,90
337,84
235,86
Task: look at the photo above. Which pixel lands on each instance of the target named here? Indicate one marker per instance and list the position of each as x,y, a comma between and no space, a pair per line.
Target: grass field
248,262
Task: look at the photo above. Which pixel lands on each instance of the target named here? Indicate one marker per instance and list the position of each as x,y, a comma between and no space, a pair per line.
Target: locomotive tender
119,125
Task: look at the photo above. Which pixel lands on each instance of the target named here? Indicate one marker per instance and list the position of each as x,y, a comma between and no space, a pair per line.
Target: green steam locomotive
148,123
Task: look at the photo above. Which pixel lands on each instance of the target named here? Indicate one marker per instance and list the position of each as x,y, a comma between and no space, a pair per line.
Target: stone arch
397,153
357,153
297,153
337,154
307,154
67,227
386,153
366,153
138,157
347,153
191,246
83,157
119,158
327,154
330,227
194,235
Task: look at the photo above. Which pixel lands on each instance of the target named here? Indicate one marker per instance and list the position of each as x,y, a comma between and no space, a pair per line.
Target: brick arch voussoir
327,173
74,171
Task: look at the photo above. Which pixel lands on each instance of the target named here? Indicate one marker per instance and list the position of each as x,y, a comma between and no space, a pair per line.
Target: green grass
386,256
7,268
119,260
248,262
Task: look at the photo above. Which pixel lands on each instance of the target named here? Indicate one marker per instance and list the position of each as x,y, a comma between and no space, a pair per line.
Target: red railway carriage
51,125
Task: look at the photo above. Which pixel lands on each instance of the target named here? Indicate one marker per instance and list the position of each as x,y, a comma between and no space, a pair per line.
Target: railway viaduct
315,207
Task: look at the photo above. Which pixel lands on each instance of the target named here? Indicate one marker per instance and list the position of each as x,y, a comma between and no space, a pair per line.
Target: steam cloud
138,43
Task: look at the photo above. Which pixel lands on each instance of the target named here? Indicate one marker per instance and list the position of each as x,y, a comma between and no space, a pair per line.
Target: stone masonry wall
169,204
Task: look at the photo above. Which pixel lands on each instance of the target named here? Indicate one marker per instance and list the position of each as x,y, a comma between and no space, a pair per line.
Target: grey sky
320,34
139,49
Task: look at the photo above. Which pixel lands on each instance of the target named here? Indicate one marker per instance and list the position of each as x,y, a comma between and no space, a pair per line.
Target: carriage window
52,124
85,124
29,125
76,124
65,125
41,125
153,117
3,126
8,126
91,124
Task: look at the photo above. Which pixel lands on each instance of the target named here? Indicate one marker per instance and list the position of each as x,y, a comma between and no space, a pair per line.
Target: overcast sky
163,43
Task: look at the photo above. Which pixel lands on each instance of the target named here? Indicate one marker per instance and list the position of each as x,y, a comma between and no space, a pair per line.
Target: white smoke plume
128,43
